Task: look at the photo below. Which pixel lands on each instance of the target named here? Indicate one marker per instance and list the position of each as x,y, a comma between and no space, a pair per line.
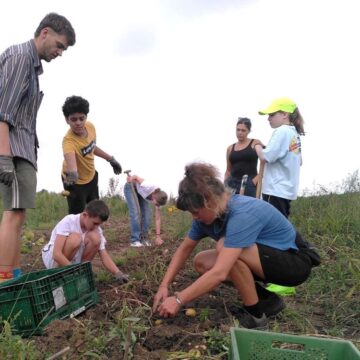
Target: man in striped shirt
20,98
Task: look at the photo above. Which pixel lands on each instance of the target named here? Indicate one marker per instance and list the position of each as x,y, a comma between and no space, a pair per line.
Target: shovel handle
243,184
260,178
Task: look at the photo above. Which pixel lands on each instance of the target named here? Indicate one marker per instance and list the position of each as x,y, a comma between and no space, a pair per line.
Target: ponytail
297,120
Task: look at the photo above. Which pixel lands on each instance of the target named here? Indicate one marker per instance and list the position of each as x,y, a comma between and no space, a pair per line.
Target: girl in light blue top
282,155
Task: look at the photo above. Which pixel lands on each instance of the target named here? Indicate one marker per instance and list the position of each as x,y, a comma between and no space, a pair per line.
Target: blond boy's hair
160,197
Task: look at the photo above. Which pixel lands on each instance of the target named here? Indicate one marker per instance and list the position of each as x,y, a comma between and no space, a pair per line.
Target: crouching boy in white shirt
78,238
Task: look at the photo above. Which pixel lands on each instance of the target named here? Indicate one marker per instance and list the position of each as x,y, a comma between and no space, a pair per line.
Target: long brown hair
297,120
201,188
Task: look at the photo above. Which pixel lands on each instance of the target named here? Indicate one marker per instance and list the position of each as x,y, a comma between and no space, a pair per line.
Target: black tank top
243,162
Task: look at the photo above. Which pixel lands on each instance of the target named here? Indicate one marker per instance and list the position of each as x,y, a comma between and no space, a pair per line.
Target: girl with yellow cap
282,155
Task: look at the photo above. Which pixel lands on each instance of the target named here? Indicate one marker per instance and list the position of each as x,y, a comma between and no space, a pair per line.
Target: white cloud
138,40
166,80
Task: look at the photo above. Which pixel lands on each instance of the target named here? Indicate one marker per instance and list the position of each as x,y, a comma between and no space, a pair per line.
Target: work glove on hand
121,277
71,178
7,170
116,166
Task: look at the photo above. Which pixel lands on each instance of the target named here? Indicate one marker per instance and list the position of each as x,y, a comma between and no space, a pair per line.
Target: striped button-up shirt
20,97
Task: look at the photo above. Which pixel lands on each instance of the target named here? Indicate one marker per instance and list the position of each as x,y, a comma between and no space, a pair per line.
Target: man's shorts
21,194
287,268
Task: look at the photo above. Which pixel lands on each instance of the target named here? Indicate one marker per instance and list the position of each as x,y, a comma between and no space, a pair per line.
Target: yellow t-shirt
83,147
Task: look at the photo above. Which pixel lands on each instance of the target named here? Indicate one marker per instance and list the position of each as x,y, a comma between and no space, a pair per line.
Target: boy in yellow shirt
79,147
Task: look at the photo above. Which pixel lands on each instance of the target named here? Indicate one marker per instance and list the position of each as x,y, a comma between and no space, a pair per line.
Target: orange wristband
6,275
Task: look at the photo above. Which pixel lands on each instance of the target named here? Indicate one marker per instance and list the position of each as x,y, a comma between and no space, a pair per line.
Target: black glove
121,277
7,170
116,166
71,178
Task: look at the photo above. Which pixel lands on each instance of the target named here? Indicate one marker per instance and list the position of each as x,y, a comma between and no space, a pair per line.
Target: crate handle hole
276,344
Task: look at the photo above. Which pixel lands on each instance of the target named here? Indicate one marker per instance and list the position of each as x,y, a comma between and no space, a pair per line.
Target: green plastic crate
263,345
35,299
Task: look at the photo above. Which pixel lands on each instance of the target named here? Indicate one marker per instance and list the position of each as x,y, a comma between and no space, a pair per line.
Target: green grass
329,299
117,206
14,347
332,223
50,208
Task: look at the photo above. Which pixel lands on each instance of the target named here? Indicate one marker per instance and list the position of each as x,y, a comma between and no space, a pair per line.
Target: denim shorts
287,268
21,194
235,184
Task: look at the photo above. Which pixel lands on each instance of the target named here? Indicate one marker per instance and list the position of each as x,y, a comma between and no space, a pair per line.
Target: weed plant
130,326
14,347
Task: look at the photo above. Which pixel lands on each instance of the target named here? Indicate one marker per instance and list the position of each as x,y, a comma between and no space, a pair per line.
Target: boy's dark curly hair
75,104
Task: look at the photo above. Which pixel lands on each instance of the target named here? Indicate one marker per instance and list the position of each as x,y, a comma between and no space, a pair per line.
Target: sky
167,80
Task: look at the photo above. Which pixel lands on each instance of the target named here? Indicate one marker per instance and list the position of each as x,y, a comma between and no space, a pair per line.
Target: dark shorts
80,195
21,194
283,205
287,268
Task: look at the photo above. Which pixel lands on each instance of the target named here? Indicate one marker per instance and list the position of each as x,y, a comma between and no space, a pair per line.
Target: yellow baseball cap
282,104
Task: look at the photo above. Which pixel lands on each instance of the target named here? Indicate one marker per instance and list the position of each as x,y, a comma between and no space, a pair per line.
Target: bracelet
6,275
158,234
177,299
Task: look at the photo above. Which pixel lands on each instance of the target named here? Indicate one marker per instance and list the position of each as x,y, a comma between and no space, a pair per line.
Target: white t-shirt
144,189
283,161
69,224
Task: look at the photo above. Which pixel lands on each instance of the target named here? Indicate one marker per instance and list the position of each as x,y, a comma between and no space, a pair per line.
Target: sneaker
249,321
272,305
281,290
136,244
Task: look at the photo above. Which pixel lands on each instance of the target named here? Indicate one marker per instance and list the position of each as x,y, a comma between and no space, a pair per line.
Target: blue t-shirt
248,221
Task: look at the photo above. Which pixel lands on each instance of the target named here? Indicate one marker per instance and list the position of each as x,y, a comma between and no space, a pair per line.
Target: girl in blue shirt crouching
255,242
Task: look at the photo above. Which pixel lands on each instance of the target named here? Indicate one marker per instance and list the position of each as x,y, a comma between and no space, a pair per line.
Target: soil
88,336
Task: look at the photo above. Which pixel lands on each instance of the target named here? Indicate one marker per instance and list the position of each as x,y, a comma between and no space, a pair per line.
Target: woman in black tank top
241,159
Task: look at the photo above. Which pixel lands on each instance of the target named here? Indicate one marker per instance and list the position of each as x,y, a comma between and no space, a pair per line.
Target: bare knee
243,268
14,218
74,240
241,265
92,240
198,264
204,261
